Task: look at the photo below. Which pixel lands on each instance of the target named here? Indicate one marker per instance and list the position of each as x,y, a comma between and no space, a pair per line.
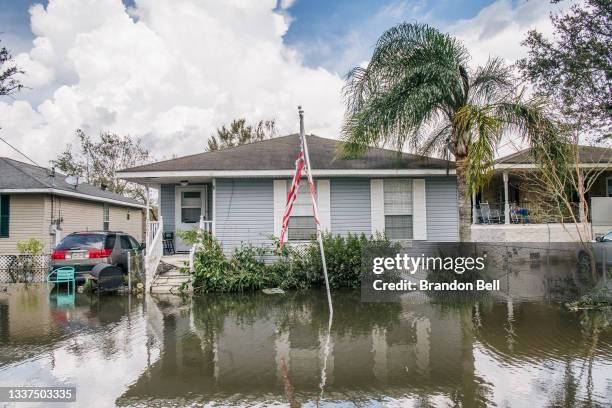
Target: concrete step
174,273
170,282
174,289
183,278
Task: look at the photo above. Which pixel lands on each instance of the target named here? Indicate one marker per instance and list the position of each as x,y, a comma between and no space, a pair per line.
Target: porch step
170,281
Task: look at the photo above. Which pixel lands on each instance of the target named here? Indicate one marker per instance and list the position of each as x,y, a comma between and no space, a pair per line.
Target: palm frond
482,130
492,82
412,78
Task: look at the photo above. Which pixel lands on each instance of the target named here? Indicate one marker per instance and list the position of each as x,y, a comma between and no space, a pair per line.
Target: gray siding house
239,193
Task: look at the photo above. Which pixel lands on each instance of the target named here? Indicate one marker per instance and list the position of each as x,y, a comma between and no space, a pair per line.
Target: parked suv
83,250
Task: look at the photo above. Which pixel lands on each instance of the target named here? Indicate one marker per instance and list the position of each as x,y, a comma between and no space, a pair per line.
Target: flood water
270,350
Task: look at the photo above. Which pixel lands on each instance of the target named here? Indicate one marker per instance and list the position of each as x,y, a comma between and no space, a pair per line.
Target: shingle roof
280,154
22,176
588,154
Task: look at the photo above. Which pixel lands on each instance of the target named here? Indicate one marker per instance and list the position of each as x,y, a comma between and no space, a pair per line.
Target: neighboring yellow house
35,203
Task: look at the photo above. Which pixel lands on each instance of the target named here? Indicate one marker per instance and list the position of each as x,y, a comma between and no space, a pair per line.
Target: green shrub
295,267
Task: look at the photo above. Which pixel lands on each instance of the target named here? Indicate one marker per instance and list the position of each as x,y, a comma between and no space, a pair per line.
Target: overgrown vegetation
292,268
23,266
97,162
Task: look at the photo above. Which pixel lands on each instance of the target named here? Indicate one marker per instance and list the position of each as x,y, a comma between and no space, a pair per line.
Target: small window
133,241
191,207
302,225
110,241
398,226
125,242
128,215
106,217
398,208
301,228
609,181
4,215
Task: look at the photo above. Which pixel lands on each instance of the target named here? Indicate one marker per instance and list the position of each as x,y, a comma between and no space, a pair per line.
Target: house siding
25,221
442,210
350,206
166,205
119,221
244,211
30,217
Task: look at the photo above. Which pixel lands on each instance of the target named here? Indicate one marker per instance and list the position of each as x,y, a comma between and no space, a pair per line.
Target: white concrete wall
531,232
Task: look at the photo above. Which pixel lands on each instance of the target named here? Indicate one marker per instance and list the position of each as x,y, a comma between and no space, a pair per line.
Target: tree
8,70
418,90
239,133
574,67
97,162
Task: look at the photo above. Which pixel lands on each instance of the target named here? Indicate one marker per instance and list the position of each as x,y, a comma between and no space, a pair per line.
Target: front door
190,204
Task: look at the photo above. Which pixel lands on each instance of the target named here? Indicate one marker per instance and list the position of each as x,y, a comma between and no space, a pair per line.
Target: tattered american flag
300,166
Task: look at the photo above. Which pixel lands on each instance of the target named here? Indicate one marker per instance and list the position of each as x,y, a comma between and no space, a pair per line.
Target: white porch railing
154,250
204,226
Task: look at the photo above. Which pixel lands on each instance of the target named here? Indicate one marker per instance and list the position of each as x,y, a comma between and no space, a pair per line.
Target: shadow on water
513,348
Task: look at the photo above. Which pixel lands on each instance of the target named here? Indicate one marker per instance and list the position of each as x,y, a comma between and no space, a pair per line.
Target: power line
19,151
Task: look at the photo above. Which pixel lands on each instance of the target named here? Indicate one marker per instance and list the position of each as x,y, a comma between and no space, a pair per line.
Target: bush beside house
292,268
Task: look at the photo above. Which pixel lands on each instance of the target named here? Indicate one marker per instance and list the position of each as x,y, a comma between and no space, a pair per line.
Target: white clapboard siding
377,201
419,209
280,197
323,198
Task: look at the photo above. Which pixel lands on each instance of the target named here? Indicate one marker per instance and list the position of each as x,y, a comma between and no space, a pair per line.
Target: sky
172,72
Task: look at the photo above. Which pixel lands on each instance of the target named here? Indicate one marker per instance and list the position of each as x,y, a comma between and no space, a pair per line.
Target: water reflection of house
25,314
244,358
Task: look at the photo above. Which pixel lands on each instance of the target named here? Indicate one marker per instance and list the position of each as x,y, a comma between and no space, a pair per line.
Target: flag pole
316,211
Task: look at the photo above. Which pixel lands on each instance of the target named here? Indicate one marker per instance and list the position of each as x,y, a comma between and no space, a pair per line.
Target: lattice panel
23,268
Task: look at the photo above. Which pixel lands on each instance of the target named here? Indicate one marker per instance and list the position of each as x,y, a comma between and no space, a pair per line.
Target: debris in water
273,291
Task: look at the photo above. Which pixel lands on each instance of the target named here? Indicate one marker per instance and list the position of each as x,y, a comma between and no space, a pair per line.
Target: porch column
506,203
147,216
474,215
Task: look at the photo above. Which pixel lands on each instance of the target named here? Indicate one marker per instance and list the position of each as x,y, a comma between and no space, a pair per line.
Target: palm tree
418,91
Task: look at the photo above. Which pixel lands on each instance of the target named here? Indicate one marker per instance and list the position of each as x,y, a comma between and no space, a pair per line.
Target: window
301,228
191,207
5,211
135,244
398,208
110,241
302,225
609,186
105,217
125,242
82,241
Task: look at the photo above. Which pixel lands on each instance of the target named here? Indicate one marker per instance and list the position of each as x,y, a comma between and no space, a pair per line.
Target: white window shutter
280,198
419,211
377,205
323,198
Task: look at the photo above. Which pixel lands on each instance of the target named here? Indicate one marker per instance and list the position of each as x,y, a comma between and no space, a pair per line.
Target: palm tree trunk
463,199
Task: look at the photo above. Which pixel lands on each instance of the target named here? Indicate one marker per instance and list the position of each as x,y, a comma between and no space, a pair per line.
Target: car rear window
82,241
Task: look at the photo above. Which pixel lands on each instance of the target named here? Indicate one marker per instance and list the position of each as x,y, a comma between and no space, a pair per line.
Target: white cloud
168,71
497,31
172,72
499,28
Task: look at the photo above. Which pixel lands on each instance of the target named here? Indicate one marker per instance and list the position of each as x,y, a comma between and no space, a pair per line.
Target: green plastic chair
65,274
